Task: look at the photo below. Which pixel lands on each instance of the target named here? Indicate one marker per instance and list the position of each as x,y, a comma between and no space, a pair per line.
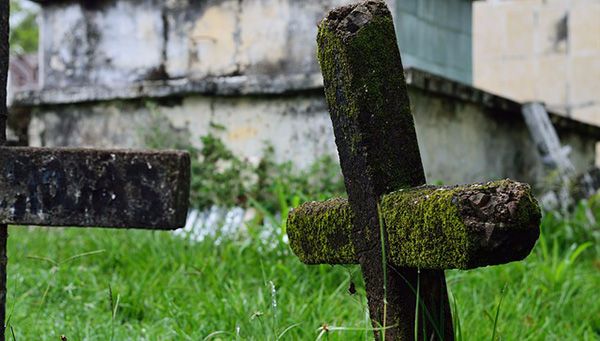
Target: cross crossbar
89,187
460,227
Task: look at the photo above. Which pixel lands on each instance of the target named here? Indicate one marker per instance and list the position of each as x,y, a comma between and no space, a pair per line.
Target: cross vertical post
4,55
377,143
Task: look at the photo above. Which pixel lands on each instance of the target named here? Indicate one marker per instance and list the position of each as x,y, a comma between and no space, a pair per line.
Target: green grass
139,285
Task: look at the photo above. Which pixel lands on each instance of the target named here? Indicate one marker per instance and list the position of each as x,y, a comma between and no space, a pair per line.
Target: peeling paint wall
460,142
297,126
123,42
464,142
120,44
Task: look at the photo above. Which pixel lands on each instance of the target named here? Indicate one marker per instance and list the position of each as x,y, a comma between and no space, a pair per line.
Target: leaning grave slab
84,187
426,229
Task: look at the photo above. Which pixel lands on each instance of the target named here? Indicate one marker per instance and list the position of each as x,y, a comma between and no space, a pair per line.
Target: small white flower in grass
273,296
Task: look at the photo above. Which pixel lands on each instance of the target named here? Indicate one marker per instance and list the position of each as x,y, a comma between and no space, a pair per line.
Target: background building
109,67
539,50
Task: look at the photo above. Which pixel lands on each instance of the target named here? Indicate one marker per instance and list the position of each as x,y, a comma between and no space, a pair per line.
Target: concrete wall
250,66
115,43
465,142
541,50
297,125
461,140
435,35
122,42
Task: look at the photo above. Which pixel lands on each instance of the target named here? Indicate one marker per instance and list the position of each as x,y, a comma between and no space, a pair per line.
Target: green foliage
219,177
95,284
320,181
576,227
142,285
24,31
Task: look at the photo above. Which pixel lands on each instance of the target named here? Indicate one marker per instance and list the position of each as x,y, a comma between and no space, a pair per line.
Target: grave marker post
425,230
84,187
4,53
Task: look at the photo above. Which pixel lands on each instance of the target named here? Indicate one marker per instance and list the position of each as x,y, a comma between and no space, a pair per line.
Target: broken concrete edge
448,227
346,21
94,188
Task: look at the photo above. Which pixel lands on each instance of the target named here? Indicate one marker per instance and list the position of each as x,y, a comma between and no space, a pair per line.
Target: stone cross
84,187
402,233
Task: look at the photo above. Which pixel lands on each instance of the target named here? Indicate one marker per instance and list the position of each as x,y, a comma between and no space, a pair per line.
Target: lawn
99,284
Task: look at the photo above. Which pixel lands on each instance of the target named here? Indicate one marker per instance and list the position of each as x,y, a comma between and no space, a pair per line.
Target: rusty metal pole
4,51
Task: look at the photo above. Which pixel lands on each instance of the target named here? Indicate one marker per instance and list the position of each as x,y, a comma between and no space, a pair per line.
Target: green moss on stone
425,229
332,58
319,232
364,82
442,228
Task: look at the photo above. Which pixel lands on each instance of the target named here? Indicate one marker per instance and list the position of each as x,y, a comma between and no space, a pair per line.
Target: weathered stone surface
4,11
374,129
96,188
91,42
460,227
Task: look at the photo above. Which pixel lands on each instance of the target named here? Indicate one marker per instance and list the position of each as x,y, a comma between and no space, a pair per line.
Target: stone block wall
541,50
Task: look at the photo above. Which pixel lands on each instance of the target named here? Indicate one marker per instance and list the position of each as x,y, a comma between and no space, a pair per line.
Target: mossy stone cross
390,217
84,187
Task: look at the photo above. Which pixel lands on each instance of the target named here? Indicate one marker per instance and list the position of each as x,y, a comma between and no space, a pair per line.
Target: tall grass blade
495,328
290,327
384,267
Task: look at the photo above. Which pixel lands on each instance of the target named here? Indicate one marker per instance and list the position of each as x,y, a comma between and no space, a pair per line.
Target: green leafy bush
219,177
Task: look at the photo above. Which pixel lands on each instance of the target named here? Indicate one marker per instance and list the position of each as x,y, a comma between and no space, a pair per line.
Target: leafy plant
221,178
24,29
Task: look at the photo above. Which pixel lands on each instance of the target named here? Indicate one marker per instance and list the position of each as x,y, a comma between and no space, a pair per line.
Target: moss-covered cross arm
421,230
459,227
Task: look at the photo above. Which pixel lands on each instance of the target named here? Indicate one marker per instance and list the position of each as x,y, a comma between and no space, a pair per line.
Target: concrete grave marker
425,229
84,187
